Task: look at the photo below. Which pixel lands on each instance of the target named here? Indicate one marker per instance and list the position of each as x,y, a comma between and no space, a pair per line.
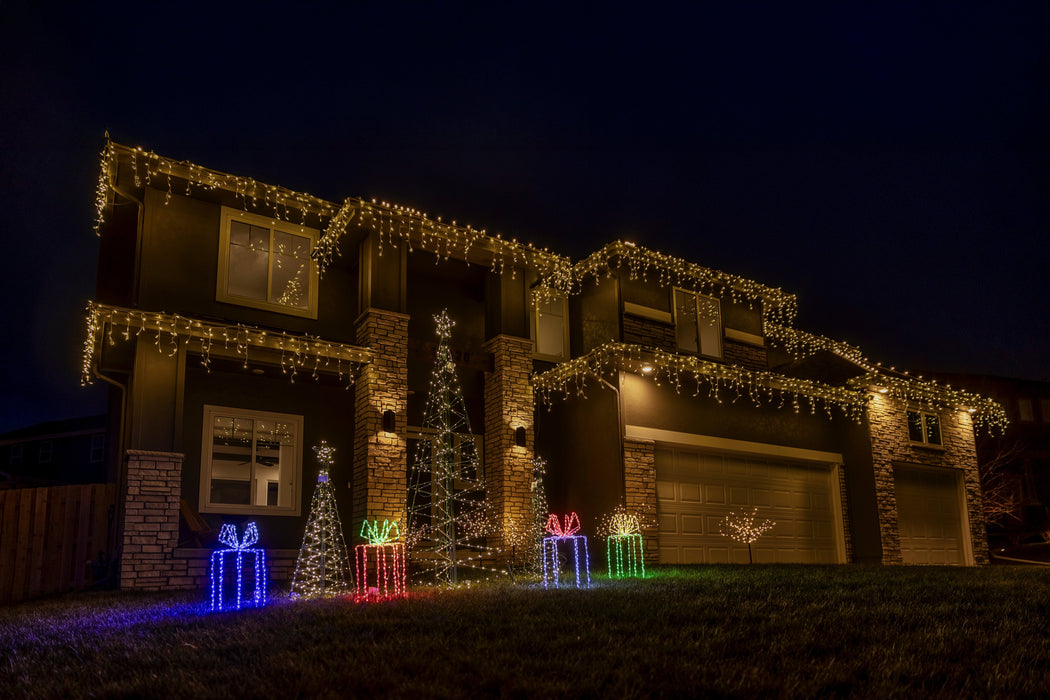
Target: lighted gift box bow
565,533
624,553
386,555
238,548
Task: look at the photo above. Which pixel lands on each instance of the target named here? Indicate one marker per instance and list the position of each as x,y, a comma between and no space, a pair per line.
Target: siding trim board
711,442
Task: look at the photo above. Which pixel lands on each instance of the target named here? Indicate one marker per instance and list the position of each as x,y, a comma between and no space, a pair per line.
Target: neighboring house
57,452
241,323
1015,465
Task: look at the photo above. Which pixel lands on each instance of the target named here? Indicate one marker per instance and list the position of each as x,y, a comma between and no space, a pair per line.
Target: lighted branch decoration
107,325
687,373
777,306
322,568
448,515
744,529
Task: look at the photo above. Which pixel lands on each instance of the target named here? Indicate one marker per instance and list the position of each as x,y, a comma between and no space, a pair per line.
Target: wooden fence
49,537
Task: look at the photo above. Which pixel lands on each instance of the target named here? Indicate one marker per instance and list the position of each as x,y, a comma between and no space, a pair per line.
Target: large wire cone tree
448,516
323,567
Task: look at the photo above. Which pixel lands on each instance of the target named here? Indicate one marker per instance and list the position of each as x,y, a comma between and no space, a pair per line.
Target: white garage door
928,515
697,489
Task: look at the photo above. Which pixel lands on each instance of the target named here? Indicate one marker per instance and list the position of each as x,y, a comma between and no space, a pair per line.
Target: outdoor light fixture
646,369
878,389
388,422
519,436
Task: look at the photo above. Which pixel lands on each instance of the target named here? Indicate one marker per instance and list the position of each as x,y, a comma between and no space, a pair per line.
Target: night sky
888,164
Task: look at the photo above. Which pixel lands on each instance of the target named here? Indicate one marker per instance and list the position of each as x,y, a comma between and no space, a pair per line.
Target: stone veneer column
380,479
508,406
887,421
639,471
151,523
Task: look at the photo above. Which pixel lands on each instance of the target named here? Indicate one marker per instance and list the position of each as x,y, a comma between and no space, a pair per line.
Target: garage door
928,515
697,489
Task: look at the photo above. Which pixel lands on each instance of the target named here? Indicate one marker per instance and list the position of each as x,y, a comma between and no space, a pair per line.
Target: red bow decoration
572,525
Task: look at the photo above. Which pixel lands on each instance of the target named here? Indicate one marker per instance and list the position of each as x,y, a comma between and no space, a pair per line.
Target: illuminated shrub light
256,597
380,564
566,533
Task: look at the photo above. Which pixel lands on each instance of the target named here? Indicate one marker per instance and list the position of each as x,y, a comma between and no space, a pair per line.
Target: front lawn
741,631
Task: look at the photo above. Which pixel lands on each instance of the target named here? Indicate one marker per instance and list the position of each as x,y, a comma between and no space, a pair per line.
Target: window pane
260,238
710,323
933,429
550,328
685,316
239,233
274,443
291,270
231,455
915,426
247,271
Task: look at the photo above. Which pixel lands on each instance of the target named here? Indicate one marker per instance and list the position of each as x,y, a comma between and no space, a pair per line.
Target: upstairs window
924,428
698,323
250,462
551,328
265,263
15,456
1025,411
46,450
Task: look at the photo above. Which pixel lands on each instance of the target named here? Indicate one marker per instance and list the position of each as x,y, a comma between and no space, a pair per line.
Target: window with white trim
924,428
698,323
265,263
550,328
251,462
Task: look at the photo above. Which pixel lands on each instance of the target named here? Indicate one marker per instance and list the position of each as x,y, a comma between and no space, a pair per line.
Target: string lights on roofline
722,382
106,324
801,344
985,413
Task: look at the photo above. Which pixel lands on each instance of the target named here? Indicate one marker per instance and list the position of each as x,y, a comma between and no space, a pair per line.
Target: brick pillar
508,406
884,418
639,471
380,479
151,523
960,433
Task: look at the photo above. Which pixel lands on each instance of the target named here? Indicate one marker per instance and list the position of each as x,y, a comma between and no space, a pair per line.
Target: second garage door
929,515
697,489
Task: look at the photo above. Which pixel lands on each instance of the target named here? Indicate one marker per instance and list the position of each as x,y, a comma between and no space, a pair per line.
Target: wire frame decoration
566,534
238,550
624,551
323,567
380,563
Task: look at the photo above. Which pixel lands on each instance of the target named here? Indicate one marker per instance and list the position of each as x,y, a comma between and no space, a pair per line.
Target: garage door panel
795,496
715,494
688,492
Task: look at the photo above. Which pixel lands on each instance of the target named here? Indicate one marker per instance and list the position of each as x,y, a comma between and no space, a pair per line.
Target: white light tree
447,514
323,566
743,528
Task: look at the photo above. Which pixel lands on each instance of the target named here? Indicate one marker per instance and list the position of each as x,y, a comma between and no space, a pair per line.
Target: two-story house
241,323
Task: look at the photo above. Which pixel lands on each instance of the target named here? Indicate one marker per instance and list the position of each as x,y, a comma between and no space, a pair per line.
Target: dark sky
888,163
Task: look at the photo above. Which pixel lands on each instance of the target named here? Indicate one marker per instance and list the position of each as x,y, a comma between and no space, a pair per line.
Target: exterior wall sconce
389,423
519,436
647,369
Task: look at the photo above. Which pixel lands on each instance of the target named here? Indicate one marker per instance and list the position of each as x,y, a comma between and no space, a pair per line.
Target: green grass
744,631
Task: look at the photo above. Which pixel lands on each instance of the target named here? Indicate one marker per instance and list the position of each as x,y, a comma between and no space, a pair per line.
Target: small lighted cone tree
743,528
448,517
565,533
323,567
384,555
624,550
239,549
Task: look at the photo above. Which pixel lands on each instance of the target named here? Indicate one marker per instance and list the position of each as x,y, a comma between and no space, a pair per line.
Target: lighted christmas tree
743,528
323,563
448,517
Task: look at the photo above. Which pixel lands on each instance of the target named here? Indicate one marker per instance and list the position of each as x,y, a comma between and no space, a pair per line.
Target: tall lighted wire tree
448,516
323,566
